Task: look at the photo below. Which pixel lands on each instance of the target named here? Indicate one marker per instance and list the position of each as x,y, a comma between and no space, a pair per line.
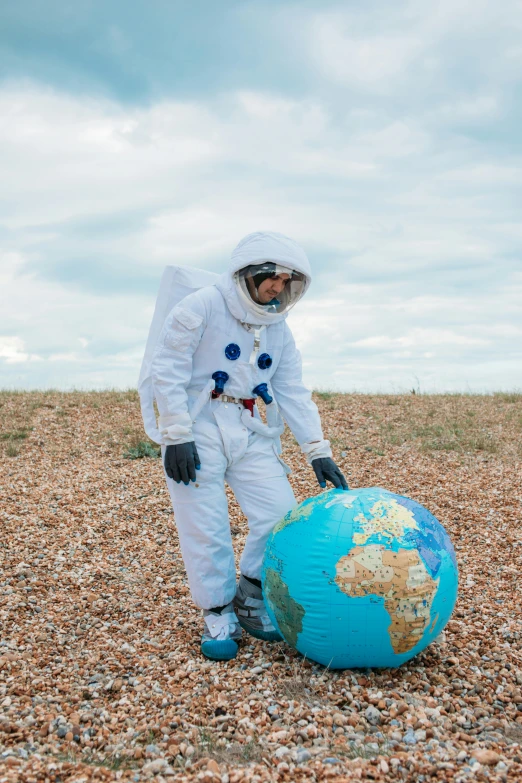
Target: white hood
257,248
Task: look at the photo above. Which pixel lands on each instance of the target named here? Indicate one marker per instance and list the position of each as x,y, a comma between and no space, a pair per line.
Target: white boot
222,629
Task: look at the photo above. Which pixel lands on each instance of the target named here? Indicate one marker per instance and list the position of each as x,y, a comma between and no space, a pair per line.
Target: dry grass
461,423
206,746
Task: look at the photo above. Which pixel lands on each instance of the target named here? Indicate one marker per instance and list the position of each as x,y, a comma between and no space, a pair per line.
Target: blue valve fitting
264,361
261,390
232,351
220,377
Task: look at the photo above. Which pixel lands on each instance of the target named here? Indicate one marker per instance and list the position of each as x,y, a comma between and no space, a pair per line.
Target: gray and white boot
251,611
222,630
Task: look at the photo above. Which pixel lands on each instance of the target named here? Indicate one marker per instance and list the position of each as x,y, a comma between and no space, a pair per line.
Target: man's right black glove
181,462
326,470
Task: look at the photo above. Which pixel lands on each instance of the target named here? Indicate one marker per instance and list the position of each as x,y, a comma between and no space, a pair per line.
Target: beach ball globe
359,578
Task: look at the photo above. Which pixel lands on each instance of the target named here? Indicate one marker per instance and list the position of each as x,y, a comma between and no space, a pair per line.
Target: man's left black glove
181,462
326,470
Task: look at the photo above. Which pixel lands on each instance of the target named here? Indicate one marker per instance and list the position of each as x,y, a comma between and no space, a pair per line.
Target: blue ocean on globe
363,578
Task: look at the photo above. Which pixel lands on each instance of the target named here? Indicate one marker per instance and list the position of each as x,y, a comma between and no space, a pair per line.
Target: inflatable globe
363,578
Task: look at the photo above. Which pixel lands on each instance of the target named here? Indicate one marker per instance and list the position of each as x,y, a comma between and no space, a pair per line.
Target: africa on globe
363,578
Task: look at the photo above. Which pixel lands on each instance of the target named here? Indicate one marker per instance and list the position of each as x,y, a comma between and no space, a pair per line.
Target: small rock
410,738
12,761
331,760
372,715
257,670
384,766
303,755
278,736
213,766
281,751
484,756
154,766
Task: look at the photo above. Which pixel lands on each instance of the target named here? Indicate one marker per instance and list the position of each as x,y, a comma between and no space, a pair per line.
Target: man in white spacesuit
221,348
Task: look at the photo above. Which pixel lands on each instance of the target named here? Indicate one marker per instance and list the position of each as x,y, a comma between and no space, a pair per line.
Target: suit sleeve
295,401
172,368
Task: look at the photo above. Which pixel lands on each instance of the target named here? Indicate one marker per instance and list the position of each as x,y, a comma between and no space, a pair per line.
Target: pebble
410,738
157,765
372,715
484,756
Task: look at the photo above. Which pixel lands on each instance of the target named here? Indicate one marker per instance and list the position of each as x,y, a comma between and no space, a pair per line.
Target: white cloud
419,338
371,62
374,339
12,351
394,48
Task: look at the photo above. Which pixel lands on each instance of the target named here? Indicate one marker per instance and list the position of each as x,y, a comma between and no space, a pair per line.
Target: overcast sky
384,137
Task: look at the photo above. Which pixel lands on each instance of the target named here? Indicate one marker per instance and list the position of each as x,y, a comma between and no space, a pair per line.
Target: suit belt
248,403
202,395
237,400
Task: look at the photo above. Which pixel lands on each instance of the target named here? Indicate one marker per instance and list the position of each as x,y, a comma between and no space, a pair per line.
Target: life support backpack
177,282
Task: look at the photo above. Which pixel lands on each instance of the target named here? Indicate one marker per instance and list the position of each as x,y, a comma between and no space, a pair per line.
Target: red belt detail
249,405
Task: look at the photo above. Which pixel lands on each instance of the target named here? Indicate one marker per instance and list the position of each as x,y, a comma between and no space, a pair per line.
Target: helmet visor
268,287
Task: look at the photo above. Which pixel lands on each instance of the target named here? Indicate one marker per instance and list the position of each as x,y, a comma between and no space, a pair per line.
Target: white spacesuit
220,348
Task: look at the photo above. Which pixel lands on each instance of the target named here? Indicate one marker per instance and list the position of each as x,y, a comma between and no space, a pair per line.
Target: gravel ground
100,672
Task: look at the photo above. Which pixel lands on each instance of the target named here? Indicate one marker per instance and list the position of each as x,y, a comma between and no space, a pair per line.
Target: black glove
181,462
326,470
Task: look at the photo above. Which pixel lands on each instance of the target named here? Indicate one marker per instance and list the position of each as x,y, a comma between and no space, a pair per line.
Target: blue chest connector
264,361
232,352
220,377
261,390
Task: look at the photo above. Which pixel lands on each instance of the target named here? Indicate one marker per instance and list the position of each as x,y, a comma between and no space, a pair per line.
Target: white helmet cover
267,254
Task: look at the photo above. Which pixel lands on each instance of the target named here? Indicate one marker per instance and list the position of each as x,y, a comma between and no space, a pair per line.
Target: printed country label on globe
360,578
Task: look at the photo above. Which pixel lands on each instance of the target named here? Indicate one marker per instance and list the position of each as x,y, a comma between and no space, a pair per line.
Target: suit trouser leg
261,487
201,516
262,490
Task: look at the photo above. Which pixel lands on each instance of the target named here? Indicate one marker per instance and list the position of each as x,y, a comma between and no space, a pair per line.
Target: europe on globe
360,578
